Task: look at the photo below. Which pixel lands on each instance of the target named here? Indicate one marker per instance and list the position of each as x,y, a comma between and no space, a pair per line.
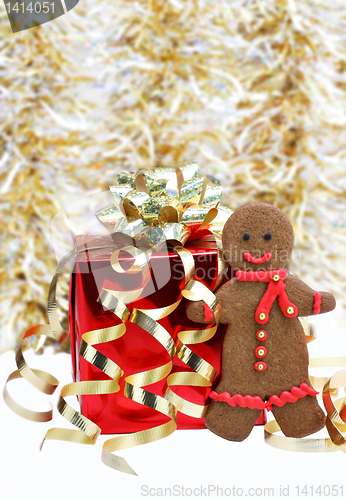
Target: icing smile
247,256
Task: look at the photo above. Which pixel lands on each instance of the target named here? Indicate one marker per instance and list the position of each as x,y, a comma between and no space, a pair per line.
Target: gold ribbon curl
188,189
133,390
170,403
203,372
148,320
41,380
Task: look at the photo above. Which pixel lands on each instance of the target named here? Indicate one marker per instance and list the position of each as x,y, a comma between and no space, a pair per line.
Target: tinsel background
254,91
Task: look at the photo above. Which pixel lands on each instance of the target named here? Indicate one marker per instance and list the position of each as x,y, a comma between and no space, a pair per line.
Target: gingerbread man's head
257,236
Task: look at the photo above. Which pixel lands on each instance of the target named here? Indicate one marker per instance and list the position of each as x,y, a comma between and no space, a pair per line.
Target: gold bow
166,204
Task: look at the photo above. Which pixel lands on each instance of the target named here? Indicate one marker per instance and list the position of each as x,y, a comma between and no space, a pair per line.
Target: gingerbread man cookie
264,356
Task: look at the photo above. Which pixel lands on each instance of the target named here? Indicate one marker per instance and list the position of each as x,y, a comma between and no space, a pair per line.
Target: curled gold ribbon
41,380
187,190
168,405
134,390
203,372
35,416
88,432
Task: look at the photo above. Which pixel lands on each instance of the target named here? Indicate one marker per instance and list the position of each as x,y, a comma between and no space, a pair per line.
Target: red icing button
260,351
260,366
261,335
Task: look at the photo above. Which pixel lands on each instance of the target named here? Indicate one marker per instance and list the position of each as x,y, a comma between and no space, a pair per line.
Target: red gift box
136,350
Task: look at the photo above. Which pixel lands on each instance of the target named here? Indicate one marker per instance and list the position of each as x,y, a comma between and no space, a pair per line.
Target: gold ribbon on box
152,208
158,207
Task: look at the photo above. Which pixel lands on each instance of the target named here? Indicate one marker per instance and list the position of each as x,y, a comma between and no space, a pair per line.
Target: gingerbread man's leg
228,422
301,418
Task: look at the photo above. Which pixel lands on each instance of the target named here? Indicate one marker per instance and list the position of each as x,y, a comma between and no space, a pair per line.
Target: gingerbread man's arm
307,300
196,312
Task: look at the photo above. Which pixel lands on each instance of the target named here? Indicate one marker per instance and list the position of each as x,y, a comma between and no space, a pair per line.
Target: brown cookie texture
328,301
261,231
195,312
240,421
306,411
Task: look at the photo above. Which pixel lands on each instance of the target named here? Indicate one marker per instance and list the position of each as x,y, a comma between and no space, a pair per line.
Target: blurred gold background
254,91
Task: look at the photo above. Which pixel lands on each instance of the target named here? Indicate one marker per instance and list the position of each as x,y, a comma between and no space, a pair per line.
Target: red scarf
276,289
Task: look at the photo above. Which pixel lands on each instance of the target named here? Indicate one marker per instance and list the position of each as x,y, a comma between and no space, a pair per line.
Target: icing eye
246,237
267,236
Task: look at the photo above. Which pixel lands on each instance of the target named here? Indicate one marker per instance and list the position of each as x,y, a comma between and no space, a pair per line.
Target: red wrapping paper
136,350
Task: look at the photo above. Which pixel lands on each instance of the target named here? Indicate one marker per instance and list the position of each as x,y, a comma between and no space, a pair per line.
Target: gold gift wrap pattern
153,208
